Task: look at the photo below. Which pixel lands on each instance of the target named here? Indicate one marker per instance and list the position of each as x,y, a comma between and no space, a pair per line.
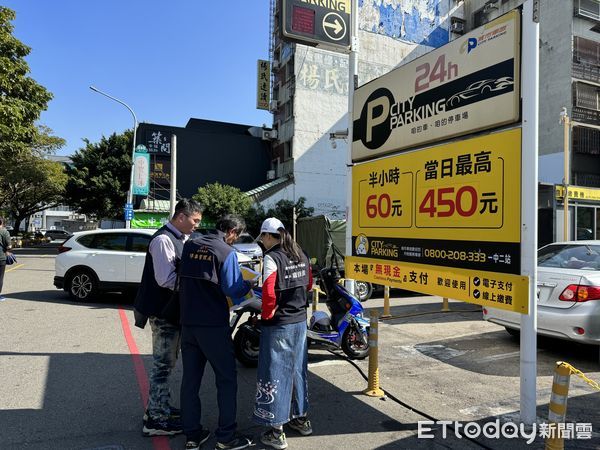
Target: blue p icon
472,44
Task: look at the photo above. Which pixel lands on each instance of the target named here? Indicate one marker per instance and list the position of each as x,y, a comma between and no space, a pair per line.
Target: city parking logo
373,128
468,45
361,244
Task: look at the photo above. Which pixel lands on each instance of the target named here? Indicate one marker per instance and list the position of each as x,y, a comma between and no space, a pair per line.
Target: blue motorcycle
344,327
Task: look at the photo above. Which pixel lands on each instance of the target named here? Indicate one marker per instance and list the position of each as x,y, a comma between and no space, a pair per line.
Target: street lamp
135,125
564,119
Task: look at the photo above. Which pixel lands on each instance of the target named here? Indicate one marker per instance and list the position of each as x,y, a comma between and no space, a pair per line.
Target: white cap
271,225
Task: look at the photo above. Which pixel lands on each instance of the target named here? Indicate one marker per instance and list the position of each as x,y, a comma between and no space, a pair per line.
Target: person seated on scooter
282,387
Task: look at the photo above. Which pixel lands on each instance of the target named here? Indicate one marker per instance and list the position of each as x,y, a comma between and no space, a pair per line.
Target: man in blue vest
209,274
156,289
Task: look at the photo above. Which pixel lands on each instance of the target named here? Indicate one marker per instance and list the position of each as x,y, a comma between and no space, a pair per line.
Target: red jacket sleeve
269,301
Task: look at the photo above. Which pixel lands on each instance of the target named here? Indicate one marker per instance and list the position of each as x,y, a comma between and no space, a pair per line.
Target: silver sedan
568,291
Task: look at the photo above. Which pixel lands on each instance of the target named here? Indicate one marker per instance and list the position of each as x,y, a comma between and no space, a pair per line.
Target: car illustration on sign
481,88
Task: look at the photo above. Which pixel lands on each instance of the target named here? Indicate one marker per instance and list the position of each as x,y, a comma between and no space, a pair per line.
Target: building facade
310,92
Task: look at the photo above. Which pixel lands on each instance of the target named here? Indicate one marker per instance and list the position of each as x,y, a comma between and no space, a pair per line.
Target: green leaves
99,176
219,199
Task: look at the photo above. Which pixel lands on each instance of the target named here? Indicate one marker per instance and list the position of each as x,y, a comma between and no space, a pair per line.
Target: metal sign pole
529,205
173,196
352,85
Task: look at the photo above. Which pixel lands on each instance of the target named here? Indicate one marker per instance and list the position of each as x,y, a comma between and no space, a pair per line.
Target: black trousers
2,269
200,345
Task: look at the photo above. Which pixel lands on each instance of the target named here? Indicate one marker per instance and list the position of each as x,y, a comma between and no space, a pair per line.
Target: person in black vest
209,274
156,289
282,387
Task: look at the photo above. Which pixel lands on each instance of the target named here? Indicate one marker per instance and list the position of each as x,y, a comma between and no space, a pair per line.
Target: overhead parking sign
320,23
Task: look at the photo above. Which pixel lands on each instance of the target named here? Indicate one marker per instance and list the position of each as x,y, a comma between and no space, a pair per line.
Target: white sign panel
469,84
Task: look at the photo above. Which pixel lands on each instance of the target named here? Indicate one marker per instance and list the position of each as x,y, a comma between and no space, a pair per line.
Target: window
86,240
110,241
586,51
588,8
586,96
139,243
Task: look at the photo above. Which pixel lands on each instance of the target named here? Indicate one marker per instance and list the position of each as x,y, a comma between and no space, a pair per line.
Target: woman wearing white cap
282,388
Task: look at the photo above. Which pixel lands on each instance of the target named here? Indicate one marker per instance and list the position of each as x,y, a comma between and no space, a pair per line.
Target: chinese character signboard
579,193
263,84
141,173
470,84
158,142
322,23
443,221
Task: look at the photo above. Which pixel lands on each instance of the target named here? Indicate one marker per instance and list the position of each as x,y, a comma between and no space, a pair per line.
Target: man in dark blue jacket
209,274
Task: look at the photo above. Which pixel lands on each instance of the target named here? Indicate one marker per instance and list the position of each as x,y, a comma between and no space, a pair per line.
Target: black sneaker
301,425
175,413
158,427
238,442
195,444
274,438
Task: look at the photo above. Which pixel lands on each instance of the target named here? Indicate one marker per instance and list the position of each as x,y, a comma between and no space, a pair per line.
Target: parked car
248,246
56,235
97,261
568,291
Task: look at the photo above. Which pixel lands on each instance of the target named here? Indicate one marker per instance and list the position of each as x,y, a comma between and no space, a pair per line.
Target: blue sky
168,60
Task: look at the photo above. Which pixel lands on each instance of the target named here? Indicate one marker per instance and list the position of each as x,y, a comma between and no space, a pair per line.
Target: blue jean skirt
281,379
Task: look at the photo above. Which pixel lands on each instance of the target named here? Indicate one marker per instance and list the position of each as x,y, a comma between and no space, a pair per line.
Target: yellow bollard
315,303
386,302
558,406
373,389
445,306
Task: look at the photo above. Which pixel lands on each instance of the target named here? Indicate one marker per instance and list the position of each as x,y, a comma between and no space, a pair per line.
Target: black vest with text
290,289
202,300
152,298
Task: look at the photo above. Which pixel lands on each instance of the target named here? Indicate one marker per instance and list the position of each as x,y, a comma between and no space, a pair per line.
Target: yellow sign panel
263,84
469,84
503,291
579,193
452,209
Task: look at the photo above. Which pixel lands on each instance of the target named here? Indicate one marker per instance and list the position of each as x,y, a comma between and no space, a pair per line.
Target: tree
23,99
283,210
33,185
29,182
99,176
219,199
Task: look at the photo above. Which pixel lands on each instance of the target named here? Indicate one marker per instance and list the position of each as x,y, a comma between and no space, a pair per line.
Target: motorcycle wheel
245,347
352,344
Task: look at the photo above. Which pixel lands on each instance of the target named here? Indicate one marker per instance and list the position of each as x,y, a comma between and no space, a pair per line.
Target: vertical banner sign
263,84
141,173
469,84
443,221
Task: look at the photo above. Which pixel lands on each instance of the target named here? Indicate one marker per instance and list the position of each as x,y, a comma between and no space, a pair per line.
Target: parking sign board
470,84
320,23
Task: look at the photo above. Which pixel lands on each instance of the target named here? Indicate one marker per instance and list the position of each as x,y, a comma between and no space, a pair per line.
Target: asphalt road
72,376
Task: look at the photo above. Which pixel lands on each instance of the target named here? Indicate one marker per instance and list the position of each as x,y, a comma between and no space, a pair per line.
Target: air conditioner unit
269,135
457,27
275,65
273,105
270,174
491,5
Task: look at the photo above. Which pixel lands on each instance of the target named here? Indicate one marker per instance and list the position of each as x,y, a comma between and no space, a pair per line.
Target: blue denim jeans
166,339
281,384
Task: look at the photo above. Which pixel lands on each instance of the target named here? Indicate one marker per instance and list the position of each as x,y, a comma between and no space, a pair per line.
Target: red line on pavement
158,442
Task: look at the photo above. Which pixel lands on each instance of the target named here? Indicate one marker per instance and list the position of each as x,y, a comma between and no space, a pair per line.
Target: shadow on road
111,300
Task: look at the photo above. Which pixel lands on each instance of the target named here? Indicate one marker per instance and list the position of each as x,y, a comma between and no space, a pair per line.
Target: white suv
101,260
104,261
